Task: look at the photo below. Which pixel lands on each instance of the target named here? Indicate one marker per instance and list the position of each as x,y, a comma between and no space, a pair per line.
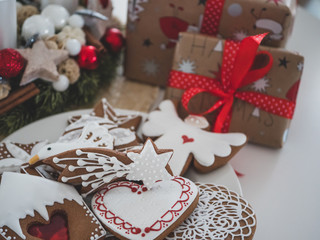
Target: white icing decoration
122,136
10,163
219,215
110,120
197,121
17,152
149,166
70,136
110,113
84,119
93,135
142,209
110,168
166,124
99,169
16,156
22,195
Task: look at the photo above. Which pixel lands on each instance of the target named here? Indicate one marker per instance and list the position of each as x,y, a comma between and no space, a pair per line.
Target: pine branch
49,101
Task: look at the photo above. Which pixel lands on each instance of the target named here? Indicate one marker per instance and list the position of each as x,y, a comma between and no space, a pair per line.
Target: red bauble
11,63
88,58
113,40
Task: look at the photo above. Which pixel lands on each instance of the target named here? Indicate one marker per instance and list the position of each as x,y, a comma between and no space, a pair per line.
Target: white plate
51,128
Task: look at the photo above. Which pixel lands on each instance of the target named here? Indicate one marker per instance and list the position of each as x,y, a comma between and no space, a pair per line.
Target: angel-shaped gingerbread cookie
188,140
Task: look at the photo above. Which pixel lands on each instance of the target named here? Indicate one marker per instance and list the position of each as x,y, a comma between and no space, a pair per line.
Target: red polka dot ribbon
212,16
237,71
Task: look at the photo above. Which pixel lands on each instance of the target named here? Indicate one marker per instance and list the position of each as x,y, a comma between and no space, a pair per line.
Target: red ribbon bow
238,70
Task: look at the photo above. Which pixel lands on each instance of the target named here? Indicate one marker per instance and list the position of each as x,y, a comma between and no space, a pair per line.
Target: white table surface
283,185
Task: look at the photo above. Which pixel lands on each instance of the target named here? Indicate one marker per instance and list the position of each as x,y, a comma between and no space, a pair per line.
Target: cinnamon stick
17,97
93,41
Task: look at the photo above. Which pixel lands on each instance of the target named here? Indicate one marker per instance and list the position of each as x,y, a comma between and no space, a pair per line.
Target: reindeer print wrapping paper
154,25
237,19
201,55
152,32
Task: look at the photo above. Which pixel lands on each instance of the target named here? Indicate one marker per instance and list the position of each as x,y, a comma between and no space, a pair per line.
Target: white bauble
57,14
37,24
70,5
62,84
76,21
73,46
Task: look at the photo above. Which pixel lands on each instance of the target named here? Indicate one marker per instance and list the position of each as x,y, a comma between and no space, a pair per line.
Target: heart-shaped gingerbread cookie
130,211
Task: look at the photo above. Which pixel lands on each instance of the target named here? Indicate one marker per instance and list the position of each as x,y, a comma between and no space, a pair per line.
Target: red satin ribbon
211,17
236,72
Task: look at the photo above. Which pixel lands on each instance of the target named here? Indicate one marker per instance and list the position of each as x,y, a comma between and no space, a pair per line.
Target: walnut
4,90
25,12
51,44
71,69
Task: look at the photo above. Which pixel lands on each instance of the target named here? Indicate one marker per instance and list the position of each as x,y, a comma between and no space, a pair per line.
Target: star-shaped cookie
149,165
42,62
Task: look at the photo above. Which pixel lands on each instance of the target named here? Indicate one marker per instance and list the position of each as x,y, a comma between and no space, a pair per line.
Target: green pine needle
49,101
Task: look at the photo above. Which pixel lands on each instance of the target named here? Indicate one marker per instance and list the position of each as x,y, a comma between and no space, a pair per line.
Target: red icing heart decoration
57,229
186,139
129,211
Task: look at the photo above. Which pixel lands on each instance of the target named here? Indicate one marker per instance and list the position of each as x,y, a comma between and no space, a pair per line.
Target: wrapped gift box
262,109
152,32
236,19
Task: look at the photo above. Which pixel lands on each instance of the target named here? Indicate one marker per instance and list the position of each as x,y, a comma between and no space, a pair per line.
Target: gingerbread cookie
36,208
42,170
104,110
221,214
93,169
122,127
13,155
188,140
131,211
92,135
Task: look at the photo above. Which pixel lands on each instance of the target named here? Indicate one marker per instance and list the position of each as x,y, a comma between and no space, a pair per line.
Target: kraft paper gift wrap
198,59
236,19
153,28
